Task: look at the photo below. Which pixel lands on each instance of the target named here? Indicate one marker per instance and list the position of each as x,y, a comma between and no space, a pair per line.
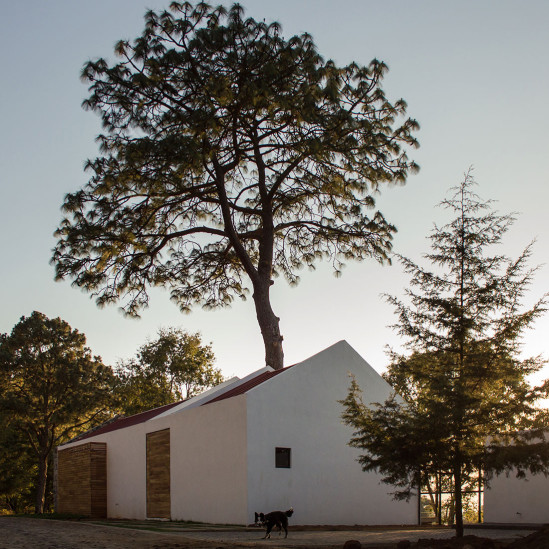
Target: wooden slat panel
98,479
158,474
82,480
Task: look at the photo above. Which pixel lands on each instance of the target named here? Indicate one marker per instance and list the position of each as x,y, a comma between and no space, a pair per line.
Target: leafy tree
465,402
230,156
52,386
173,367
17,469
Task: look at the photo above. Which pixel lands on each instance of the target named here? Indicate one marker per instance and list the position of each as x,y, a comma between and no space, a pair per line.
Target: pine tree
52,387
231,156
465,404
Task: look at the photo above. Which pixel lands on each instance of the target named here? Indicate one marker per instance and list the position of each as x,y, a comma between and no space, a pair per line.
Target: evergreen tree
174,366
230,156
18,469
52,387
465,404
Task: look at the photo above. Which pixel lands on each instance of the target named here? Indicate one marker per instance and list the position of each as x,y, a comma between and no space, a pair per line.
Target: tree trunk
41,484
12,503
270,327
458,501
433,497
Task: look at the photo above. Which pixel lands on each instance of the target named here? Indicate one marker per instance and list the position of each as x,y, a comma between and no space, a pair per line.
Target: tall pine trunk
269,324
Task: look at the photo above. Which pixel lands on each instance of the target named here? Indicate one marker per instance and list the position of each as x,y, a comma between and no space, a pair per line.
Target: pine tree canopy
230,156
52,387
465,403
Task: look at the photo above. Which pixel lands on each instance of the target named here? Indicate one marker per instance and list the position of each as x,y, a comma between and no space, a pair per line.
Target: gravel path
25,533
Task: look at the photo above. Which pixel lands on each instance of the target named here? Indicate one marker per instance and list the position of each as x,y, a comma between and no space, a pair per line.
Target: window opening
283,458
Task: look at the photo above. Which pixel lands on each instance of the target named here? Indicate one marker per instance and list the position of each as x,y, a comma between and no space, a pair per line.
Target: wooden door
158,474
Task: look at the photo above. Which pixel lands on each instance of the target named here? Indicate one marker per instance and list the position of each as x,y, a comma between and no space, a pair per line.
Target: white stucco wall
222,454
126,471
299,409
513,500
207,464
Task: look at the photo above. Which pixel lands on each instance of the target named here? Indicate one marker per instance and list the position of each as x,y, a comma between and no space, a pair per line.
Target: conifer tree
52,387
230,156
464,402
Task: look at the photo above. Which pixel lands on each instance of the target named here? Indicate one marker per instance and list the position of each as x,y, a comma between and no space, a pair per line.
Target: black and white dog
272,519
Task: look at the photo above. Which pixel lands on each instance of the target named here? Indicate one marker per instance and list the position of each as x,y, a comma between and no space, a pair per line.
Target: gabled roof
198,399
126,422
239,387
245,387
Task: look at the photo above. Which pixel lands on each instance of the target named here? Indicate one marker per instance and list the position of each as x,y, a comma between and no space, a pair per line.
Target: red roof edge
245,387
123,422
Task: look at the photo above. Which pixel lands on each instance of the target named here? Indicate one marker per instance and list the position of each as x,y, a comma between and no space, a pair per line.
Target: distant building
511,500
269,441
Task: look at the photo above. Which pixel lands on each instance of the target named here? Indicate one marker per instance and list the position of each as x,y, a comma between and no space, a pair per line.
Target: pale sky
474,74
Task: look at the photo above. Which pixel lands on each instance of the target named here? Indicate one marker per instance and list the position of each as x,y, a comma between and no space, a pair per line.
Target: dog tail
289,512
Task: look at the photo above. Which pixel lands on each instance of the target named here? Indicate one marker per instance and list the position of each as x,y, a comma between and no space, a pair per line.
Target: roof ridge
248,385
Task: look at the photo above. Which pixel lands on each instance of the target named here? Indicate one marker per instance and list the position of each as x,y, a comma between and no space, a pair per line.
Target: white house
511,500
270,441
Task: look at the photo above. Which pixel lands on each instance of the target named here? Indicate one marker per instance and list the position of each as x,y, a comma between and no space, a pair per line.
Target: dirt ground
24,533
27,533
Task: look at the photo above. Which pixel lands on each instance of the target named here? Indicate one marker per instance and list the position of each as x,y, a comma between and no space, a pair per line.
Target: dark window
283,457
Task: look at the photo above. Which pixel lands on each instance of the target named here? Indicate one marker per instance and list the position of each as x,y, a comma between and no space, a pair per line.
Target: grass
149,525
167,525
